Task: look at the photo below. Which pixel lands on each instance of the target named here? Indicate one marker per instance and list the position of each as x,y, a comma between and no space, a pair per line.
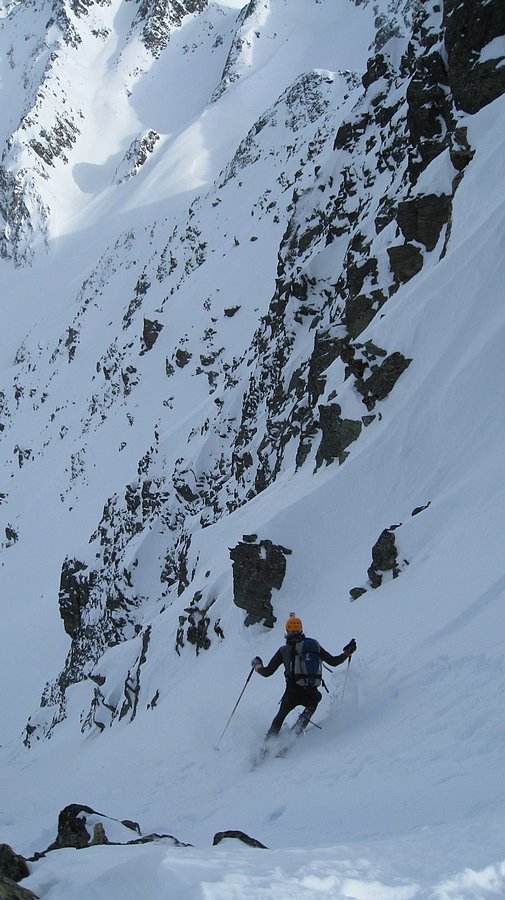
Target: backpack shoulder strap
289,652
287,659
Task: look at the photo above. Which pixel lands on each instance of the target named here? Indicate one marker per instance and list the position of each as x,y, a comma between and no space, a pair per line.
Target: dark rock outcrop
137,155
182,358
337,434
361,309
55,142
257,569
99,837
405,260
239,836
17,217
461,153
384,557
350,132
72,830
377,67
383,379
196,629
470,25
131,688
326,350
159,17
422,218
429,115
9,890
75,589
12,865
150,333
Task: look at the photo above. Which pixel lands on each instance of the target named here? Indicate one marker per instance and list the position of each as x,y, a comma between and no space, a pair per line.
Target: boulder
258,567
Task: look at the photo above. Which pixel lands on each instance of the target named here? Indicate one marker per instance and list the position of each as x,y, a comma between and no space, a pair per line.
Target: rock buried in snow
160,838
356,592
239,836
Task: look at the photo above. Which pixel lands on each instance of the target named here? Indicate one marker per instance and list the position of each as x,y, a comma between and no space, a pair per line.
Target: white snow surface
400,793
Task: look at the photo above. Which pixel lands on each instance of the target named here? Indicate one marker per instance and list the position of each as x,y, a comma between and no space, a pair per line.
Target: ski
259,759
272,747
289,740
279,747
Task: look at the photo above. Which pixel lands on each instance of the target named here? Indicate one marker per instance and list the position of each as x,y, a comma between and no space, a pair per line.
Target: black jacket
283,656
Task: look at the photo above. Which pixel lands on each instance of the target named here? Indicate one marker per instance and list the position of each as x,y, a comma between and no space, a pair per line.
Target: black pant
293,696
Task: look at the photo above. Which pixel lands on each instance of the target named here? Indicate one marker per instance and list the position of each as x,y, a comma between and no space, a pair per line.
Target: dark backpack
306,666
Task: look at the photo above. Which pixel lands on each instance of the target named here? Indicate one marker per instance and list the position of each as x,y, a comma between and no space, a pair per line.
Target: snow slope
400,794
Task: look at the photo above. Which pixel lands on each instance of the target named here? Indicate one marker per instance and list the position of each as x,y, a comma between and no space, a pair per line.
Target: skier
297,694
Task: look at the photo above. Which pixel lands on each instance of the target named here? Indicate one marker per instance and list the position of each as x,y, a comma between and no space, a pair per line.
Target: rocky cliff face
346,184
52,111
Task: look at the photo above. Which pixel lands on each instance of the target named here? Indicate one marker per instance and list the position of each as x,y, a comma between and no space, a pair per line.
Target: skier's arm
333,660
272,666
340,657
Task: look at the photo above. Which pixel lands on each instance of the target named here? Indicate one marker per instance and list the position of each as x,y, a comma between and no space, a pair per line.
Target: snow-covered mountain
251,352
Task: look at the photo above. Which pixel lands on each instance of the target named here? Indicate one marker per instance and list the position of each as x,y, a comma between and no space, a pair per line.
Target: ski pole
234,708
345,679
310,722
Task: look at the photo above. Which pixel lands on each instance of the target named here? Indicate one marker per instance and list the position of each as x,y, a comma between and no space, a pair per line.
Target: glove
350,648
256,662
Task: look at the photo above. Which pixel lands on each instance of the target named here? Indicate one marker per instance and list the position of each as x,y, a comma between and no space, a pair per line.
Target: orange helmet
294,625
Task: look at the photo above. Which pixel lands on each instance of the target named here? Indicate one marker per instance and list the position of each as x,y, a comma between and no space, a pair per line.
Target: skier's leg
288,702
312,699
